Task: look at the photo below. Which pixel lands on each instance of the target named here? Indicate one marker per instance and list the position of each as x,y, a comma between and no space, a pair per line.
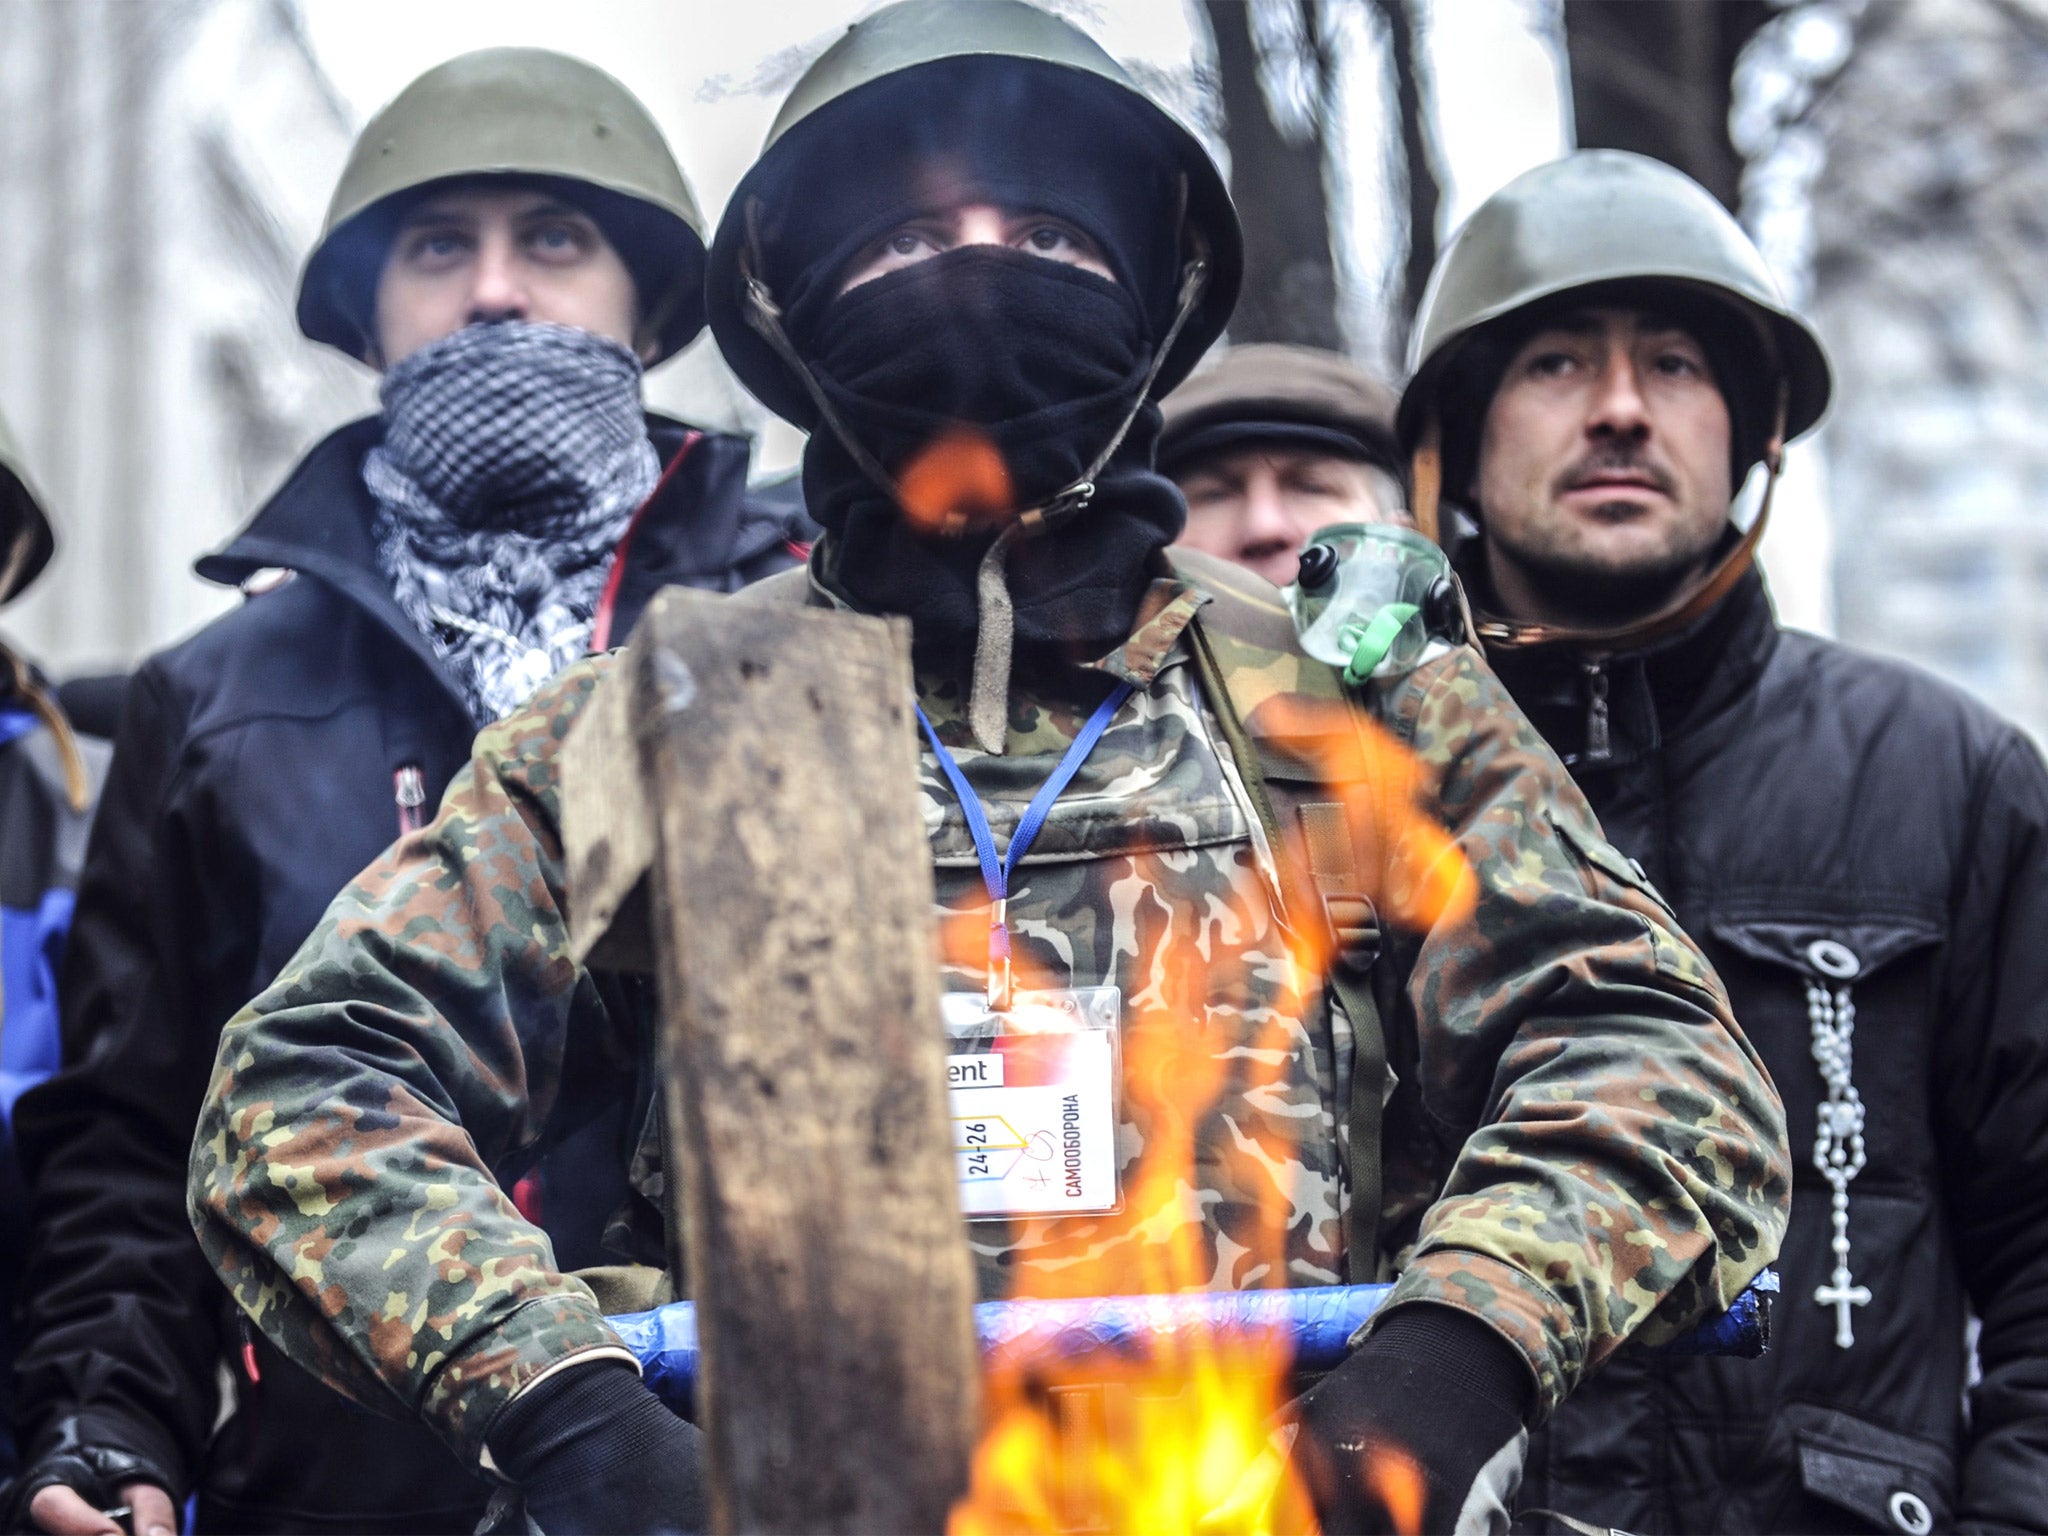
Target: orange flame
1416,874
1398,1482
957,478
1182,1438
1177,1439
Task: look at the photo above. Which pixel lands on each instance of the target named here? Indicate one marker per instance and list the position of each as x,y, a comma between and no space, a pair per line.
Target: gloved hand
594,1451
1419,1430
71,1478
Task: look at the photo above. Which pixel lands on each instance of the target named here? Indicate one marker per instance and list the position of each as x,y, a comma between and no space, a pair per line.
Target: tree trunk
1423,192
1290,280
1656,76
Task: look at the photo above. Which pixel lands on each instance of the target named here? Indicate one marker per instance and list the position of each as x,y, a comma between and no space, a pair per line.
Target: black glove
1438,1390
71,1457
594,1451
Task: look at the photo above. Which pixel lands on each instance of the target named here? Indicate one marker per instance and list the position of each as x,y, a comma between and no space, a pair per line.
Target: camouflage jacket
1580,1146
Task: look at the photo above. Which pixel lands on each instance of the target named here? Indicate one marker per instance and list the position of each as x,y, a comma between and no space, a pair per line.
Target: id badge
1034,1101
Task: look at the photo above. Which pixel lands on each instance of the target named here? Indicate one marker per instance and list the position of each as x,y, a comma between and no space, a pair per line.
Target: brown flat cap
1274,393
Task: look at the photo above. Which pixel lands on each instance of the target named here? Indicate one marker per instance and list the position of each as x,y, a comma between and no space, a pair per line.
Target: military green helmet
919,34
26,542
1601,216
523,112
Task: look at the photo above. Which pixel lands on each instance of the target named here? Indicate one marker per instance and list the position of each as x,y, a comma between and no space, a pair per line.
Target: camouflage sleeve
1622,1166
341,1174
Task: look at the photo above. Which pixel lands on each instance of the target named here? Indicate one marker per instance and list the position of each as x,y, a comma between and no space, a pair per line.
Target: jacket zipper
1599,741
409,789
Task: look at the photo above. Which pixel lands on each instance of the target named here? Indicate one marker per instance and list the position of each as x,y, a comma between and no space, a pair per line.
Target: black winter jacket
260,765
1781,790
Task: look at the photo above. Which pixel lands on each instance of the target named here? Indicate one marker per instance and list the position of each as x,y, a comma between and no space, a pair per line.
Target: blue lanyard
996,873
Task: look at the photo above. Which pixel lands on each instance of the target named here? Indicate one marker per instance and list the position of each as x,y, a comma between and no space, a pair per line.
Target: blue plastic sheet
1743,1331
1319,1320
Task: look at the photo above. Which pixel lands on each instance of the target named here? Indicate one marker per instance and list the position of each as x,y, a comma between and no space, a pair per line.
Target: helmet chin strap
1682,610
989,700
1426,477
14,672
15,559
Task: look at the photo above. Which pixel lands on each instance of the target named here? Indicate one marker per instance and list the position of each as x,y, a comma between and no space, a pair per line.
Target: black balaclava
1042,359
1045,361
1016,132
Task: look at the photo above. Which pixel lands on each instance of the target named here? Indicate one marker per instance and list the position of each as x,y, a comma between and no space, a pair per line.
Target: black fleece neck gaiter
1045,361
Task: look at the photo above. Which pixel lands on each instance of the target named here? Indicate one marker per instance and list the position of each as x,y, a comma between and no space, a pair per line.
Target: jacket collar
318,524
1607,710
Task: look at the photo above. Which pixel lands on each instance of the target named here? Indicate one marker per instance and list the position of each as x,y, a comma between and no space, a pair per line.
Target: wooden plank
791,916
608,830
608,833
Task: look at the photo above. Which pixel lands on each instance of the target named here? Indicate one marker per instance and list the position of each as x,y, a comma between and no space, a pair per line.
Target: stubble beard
1602,592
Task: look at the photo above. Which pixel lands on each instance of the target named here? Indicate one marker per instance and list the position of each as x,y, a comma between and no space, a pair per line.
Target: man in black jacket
1600,361
510,244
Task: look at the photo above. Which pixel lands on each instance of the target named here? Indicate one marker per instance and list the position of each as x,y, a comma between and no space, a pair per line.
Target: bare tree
1276,176
1656,76
1930,285
1277,65
1423,192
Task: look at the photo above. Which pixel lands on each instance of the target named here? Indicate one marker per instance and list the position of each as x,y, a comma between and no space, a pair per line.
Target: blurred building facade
1930,283
165,166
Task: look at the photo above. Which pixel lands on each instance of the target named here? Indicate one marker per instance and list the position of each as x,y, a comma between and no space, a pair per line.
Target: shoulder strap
1328,897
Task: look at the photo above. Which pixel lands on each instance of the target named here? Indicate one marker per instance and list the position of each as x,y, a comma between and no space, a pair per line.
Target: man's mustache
1621,459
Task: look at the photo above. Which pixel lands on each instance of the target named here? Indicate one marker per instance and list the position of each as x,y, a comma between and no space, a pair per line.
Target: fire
1155,1443
958,478
1187,1436
1422,877
1393,1475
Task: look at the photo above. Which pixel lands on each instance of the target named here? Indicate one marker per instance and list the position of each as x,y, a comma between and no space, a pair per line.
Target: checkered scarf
514,456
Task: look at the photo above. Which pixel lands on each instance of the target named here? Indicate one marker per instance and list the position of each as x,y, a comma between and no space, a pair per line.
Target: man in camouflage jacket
1579,1147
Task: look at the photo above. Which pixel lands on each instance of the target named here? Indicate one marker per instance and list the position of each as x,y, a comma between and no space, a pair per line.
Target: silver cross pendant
1842,1296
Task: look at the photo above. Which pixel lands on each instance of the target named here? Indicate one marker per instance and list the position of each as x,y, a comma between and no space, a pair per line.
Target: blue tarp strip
1319,1319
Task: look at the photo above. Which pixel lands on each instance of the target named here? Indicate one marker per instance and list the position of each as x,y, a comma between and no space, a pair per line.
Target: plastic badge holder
1370,617
1035,1093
